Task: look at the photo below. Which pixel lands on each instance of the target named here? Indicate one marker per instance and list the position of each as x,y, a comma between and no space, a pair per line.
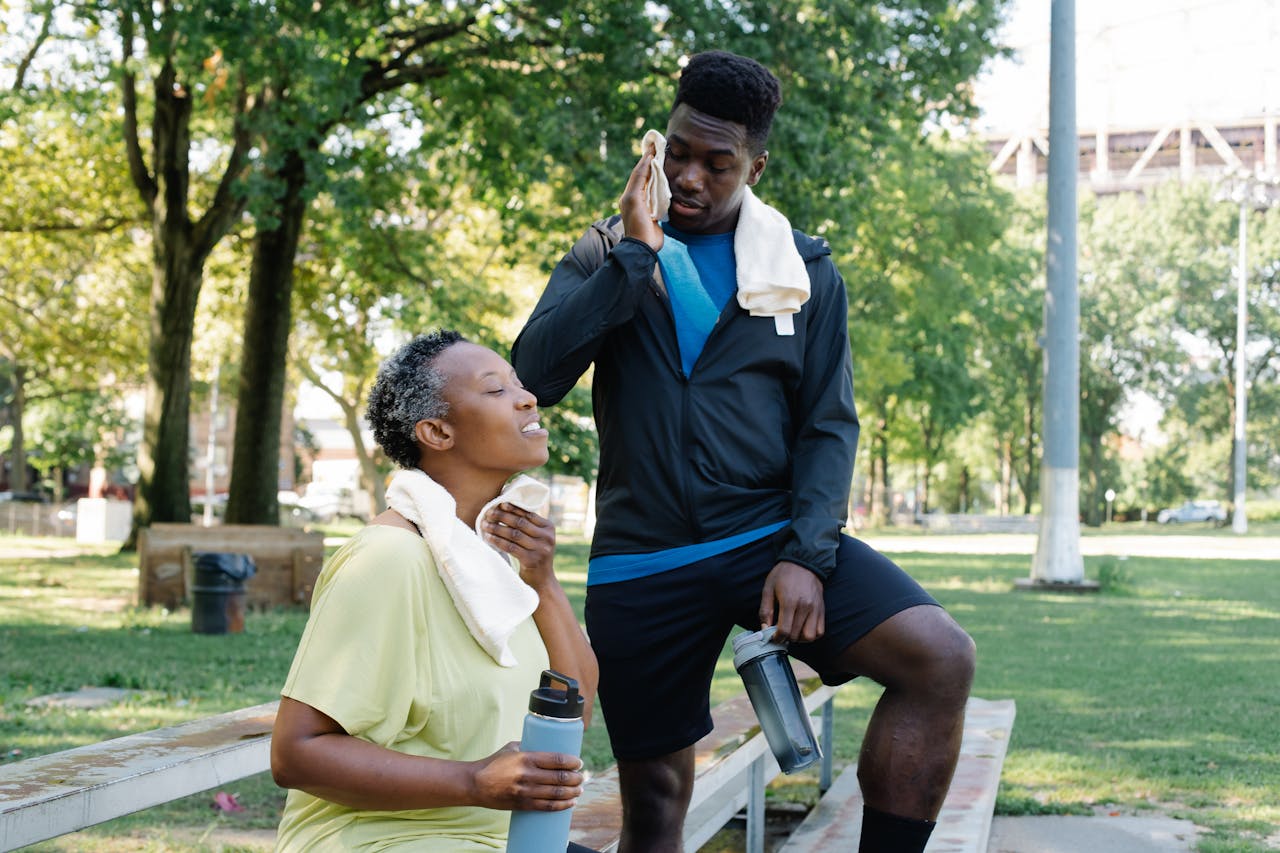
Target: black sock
890,833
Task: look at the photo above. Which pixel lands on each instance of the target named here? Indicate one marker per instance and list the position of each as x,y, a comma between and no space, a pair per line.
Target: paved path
1119,545
1102,834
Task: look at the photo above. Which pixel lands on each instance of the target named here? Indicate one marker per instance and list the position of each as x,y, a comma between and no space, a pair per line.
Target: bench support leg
755,808
828,743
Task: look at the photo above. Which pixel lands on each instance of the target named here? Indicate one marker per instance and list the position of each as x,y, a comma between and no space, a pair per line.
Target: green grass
1159,693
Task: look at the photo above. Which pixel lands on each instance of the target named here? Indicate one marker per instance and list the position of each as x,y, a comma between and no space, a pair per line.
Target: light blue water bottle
553,724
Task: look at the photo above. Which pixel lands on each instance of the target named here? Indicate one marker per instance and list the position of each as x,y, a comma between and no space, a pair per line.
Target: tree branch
100,226
20,75
225,206
142,177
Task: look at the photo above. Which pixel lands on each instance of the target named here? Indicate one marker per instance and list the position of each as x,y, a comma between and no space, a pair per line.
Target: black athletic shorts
658,637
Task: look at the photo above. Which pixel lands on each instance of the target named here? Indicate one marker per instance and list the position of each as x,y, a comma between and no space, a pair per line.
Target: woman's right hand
637,221
528,781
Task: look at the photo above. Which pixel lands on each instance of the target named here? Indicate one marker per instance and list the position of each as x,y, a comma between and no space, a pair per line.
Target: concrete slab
1101,834
85,698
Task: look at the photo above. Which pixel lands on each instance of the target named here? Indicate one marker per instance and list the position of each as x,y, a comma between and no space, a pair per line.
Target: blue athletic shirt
701,275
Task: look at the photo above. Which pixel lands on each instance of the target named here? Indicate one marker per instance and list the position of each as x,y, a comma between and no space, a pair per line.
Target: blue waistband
612,568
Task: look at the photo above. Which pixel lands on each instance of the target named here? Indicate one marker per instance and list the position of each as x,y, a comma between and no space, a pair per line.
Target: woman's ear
434,434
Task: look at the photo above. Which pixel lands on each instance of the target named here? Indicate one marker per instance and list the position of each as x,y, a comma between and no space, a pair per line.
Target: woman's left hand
525,535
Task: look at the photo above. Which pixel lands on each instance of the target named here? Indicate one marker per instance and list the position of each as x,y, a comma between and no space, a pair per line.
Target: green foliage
76,430
1113,576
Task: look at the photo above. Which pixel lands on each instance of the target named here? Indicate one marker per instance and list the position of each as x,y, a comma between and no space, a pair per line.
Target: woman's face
494,420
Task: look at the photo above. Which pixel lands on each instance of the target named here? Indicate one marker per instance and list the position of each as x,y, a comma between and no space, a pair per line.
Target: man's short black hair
734,88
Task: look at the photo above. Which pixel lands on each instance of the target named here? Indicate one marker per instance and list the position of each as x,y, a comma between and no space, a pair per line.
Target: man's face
708,164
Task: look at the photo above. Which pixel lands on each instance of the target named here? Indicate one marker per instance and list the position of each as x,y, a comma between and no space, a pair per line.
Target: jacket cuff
627,254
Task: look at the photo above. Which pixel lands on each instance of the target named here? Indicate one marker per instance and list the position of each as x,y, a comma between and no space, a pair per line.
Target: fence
21,518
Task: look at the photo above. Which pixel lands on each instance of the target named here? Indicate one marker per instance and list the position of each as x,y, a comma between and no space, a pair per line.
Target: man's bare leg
655,797
925,661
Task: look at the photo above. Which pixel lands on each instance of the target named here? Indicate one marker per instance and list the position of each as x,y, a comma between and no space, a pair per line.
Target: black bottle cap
549,701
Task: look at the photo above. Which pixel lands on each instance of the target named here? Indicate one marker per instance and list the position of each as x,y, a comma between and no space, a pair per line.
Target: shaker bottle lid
748,646
551,701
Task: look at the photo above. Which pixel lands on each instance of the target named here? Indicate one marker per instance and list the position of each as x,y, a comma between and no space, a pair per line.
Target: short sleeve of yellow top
386,654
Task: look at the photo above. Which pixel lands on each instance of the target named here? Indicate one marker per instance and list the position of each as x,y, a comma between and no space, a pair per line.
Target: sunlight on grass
1159,695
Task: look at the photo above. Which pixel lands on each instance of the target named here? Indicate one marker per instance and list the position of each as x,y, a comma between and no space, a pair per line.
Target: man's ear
434,434
757,168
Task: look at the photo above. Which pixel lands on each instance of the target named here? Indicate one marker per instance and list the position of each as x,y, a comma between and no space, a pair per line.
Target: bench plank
54,794
964,824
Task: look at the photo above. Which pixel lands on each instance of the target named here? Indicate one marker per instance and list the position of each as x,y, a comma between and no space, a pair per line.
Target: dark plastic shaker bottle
775,697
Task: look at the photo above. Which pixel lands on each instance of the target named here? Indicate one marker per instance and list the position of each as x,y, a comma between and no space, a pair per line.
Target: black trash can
217,595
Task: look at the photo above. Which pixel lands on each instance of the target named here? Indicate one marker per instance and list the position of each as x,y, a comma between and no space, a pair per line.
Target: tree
1197,252
72,430
1010,368
1126,307
499,80
69,267
367,281
926,260
180,47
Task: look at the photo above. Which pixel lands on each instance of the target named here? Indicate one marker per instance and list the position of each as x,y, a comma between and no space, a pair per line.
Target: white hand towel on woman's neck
486,590
772,281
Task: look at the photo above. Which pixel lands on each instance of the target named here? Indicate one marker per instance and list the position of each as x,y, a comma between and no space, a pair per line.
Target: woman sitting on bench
413,674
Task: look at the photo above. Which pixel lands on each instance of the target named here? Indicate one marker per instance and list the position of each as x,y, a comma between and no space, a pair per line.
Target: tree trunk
886,495
1031,483
18,453
164,493
370,477
255,457
922,499
876,513
179,248
1093,509
1006,476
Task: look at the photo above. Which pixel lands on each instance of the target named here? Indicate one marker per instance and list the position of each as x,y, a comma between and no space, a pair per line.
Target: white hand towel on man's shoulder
772,281
485,589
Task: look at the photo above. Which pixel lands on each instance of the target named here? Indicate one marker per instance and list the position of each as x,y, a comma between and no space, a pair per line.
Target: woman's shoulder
380,550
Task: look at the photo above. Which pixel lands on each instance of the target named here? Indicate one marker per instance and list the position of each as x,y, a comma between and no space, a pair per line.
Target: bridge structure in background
1127,159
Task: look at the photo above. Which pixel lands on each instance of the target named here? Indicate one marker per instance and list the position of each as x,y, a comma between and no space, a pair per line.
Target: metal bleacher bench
51,795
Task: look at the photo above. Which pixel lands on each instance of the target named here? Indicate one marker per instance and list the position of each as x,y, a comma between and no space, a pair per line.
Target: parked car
24,497
1191,511
327,501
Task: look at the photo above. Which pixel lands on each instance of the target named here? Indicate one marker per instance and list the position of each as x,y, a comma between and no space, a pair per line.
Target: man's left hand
793,594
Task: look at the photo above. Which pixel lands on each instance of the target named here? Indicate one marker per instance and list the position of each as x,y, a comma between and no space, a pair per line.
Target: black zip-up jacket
764,430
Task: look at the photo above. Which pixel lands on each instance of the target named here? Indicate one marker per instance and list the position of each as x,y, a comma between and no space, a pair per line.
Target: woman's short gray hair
409,389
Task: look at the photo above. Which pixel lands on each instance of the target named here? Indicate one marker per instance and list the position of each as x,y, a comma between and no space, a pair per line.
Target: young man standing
727,440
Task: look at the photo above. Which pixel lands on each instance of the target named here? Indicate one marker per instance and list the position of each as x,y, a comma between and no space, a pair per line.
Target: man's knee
957,658
921,649
655,796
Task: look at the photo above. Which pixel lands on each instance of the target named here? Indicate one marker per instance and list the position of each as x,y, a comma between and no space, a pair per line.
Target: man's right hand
637,222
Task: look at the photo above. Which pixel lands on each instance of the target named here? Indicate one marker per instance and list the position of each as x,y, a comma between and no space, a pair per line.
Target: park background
216,214
240,214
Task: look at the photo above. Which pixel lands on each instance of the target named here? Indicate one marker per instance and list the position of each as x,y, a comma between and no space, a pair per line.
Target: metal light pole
1250,191
1239,520
1057,559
